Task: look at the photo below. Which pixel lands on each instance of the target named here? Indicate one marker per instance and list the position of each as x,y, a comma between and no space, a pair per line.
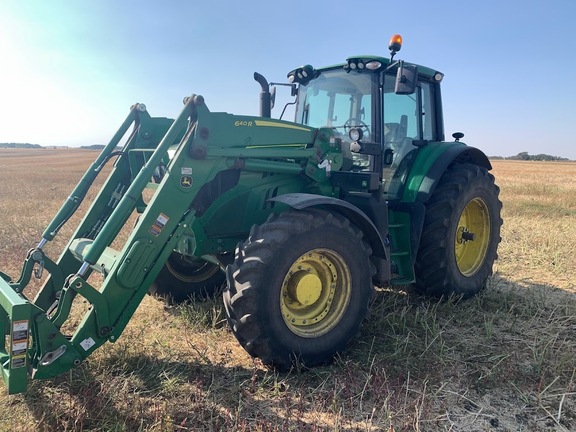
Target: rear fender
431,163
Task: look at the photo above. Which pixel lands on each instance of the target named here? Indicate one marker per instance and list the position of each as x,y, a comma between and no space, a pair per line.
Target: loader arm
211,163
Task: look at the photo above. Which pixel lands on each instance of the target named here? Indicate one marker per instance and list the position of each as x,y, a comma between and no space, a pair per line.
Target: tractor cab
381,109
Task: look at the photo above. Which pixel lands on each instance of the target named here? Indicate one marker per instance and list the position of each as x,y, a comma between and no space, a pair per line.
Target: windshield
339,100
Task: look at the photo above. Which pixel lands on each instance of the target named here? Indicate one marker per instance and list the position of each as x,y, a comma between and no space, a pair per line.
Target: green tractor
298,220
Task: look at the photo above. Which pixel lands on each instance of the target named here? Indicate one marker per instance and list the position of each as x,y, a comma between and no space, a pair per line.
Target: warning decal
18,362
19,344
159,224
20,330
19,347
87,343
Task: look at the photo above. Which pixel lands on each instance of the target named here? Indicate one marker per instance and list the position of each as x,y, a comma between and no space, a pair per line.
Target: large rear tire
299,288
184,278
461,233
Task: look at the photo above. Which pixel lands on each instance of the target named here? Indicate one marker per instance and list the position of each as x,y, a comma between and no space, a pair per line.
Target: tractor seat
394,133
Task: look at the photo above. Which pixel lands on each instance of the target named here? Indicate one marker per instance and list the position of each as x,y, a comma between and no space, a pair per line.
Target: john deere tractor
299,220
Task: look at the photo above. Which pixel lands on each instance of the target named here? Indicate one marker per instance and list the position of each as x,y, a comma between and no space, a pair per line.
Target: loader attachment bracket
15,315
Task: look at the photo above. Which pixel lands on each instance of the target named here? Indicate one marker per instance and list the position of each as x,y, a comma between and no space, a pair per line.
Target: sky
71,69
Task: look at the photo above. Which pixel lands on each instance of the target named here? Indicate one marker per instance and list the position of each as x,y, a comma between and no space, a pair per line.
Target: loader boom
196,176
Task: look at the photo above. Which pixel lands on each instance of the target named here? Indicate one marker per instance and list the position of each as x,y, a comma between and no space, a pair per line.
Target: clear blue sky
71,69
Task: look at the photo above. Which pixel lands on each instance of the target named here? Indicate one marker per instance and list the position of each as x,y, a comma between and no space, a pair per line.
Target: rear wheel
299,288
183,278
461,233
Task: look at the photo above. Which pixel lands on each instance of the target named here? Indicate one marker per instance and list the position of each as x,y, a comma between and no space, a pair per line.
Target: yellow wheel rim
472,237
315,293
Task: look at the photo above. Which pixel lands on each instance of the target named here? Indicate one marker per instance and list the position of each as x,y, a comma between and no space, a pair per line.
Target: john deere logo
186,181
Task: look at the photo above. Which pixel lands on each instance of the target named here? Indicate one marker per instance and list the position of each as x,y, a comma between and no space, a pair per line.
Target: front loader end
203,170
15,316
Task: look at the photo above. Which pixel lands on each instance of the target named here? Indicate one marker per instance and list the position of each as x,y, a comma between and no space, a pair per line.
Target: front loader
300,218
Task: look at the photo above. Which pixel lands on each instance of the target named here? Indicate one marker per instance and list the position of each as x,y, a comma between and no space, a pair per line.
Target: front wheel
461,233
299,288
186,278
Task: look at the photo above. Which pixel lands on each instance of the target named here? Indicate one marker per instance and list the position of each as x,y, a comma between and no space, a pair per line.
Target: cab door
408,123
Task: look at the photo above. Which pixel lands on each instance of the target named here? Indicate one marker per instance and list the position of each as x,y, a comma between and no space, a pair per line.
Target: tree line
528,157
19,145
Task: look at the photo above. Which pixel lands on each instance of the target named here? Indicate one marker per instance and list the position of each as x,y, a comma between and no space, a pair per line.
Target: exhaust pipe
265,107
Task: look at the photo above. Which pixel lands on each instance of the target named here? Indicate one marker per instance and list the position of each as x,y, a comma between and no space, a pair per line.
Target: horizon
72,70
557,158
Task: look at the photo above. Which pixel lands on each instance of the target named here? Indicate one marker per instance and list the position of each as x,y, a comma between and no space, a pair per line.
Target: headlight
355,134
373,65
302,75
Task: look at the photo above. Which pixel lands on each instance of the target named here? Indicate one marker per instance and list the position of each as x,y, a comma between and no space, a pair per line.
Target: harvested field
503,361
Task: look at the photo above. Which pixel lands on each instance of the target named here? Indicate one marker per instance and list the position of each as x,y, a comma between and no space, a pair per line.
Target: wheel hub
472,237
465,235
315,293
305,289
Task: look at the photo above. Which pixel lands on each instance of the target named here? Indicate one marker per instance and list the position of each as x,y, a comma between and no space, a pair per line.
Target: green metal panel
136,263
426,157
401,253
15,315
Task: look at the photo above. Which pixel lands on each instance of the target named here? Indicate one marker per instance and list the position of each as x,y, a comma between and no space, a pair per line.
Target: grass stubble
503,361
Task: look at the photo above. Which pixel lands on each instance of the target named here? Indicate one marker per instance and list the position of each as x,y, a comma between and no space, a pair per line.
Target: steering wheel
350,123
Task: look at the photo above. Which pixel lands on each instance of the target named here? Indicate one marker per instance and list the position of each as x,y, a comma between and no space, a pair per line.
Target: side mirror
406,79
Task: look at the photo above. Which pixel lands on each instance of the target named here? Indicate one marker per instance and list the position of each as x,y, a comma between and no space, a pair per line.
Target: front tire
461,233
299,288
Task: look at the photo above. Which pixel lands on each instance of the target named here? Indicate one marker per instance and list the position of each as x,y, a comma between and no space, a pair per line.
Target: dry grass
538,244
503,361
